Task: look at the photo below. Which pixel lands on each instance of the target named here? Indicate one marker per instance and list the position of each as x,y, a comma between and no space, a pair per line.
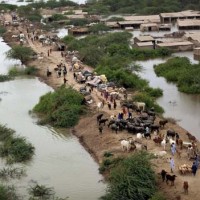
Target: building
149,27
112,25
196,53
188,24
78,31
177,46
164,27
145,38
171,17
193,37
144,45
133,24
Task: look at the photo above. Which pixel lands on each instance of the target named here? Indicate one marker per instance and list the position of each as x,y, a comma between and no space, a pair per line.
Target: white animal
140,105
172,141
139,135
163,143
99,105
160,154
139,146
126,145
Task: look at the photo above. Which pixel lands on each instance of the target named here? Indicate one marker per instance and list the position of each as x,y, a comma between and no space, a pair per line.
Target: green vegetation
19,52
149,101
140,7
16,71
10,172
14,148
2,30
57,17
8,193
61,108
111,55
99,28
29,13
52,4
6,7
4,78
132,178
182,72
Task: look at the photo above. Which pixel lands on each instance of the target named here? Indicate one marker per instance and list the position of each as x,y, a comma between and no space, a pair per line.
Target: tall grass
4,78
8,193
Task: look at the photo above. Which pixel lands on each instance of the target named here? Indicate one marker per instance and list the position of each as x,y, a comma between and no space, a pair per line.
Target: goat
139,135
163,143
103,121
157,140
170,178
171,133
115,128
185,187
146,135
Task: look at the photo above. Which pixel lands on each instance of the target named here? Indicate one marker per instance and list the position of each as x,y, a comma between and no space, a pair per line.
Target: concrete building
145,38
193,37
171,17
177,46
149,27
196,53
186,24
144,45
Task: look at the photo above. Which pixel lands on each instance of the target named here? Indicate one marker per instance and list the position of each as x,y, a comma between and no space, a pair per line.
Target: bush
4,78
17,149
2,30
61,108
127,179
149,101
8,193
19,52
29,70
181,72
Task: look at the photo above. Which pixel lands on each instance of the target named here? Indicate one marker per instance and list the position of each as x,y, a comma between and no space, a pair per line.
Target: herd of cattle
145,125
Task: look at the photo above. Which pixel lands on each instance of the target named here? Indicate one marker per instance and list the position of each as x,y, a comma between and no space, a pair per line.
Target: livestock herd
145,124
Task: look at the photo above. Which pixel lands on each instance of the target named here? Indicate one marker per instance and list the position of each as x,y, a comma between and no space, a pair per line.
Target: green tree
19,52
99,28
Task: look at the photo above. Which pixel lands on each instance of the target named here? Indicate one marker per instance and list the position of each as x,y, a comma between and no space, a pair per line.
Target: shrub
127,179
61,108
5,78
2,30
19,52
149,101
17,149
15,71
8,193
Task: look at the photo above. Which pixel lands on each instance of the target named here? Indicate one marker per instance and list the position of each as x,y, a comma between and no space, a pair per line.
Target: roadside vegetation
22,53
182,72
14,148
16,71
61,108
126,179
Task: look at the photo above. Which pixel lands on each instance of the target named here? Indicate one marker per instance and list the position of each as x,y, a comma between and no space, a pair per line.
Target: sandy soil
95,143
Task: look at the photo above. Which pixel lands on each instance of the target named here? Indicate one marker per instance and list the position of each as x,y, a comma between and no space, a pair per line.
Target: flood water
183,107
60,161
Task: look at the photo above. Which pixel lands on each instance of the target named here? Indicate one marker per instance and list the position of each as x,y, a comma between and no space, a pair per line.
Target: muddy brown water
60,161
183,107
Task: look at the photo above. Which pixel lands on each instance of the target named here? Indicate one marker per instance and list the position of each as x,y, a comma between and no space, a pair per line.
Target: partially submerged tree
19,52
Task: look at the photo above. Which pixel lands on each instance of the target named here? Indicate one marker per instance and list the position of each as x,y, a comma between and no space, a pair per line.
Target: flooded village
75,160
